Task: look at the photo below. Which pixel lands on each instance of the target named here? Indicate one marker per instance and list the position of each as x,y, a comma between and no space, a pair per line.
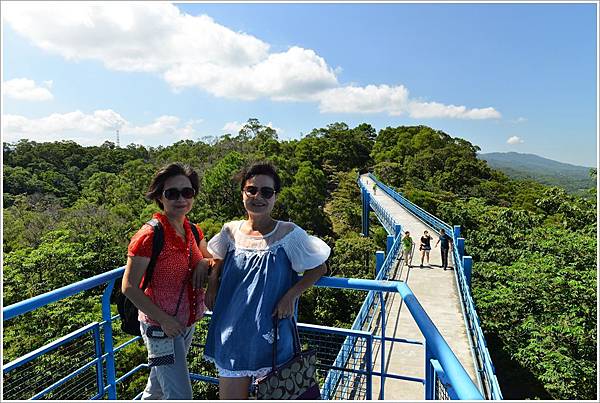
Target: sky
505,76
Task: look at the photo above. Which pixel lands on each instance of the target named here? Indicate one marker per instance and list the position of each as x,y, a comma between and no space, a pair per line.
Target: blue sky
506,77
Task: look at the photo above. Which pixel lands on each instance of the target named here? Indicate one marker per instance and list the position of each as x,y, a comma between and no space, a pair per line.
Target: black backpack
127,310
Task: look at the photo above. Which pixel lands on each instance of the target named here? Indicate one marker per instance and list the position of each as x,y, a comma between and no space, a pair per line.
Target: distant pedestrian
445,242
374,188
407,244
425,247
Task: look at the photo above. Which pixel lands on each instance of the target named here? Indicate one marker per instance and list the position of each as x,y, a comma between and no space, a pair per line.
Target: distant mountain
572,178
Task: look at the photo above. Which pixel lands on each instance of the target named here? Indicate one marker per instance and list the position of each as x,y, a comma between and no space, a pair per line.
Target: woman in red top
174,299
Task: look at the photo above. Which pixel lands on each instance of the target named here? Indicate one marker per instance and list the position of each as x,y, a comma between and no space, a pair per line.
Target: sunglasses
174,193
265,191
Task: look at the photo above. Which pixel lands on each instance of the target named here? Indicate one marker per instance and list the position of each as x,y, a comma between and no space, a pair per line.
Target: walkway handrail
418,211
487,371
459,378
363,314
49,297
461,382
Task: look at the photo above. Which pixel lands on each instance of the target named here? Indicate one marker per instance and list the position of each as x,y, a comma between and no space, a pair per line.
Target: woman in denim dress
257,279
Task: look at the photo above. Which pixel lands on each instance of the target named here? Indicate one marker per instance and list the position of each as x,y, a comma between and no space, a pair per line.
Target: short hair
260,168
442,231
406,232
157,185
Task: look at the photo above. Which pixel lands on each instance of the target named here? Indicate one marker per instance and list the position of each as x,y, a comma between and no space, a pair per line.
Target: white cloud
514,140
195,51
277,129
394,101
293,75
232,127
95,128
519,120
369,99
186,50
26,90
424,110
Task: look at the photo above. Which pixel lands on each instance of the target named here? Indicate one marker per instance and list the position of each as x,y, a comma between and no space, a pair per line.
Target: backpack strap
196,233
158,240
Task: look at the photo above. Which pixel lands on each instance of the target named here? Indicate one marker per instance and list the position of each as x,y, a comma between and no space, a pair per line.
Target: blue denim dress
253,280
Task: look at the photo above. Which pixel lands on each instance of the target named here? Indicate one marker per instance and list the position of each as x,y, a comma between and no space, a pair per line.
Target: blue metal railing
486,370
439,349
444,376
364,321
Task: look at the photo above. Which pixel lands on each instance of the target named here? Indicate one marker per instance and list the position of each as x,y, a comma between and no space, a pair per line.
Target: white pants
172,381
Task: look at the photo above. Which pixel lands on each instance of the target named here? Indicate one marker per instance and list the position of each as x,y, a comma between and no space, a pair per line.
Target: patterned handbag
294,380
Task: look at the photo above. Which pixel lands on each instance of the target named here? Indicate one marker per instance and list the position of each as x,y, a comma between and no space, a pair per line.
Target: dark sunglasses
265,191
174,193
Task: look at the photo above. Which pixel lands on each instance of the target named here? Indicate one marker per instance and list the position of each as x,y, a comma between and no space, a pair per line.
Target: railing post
369,358
456,231
108,342
429,374
100,364
365,211
468,266
382,380
390,243
379,259
460,244
397,229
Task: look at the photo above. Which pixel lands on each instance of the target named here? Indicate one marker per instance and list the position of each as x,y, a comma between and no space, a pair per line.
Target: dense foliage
69,212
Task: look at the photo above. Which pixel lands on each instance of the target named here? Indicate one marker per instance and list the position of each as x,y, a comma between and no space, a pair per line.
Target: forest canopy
70,210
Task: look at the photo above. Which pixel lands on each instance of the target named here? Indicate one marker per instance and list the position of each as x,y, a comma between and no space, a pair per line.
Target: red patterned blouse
173,267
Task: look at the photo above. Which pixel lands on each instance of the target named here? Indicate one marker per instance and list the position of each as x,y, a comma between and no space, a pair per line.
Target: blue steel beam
462,383
39,301
108,341
464,386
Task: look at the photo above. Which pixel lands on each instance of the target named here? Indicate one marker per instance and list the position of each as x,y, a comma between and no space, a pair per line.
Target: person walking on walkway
425,247
407,244
445,242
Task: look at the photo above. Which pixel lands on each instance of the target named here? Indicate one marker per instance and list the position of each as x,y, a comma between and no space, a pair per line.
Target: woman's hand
285,306
211,293
210,297
200,274
171,326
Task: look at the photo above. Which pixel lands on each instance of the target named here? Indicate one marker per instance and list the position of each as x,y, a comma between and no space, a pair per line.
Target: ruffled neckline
239,230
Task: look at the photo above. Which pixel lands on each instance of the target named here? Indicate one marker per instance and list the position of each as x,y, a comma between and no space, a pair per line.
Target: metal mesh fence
32,378
440,390
350,383
198,365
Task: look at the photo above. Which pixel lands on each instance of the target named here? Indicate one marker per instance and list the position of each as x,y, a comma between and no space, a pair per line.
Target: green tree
220,189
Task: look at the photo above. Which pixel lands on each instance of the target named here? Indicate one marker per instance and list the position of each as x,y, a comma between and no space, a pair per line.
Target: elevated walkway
416,337
438,294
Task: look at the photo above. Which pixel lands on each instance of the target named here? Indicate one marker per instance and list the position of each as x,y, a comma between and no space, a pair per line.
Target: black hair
260,168
157,184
